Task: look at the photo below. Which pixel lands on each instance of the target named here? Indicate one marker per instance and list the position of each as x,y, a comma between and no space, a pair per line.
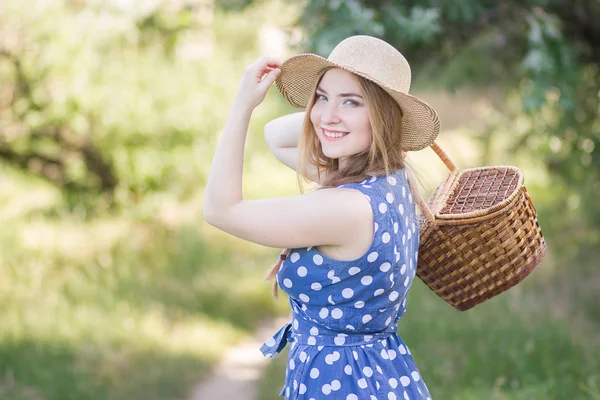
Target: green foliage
545,52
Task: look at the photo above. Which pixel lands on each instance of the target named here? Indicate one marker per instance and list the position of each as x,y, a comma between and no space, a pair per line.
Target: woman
352,244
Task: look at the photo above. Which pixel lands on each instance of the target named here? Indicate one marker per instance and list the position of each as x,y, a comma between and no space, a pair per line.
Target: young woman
352,245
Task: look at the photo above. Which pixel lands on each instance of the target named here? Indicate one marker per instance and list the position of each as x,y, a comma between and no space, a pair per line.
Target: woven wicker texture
372,59
485,239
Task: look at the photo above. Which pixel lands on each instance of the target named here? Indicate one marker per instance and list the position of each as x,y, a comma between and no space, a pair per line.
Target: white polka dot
410,200
393,296
389,197
302,271
352,396
316,286
347,293
339,340
302,388
366,280
348,370
302,356
296,324
294,257
401,209
391,180
406,281
271,342
318,259
329,299
359,304
395,227
407,398
382,208
335,385
368,372
314,373
377,384
331,358
409,234
323,313
405,381
355,355
354,270
292,364
362,383
392,396
303,297
376,227
373,256
392,354
402,349
378,367
385,238
385,267
373,397
384,354
388,321
415,375
403,192
366,318
378,292
350,327
314,331
368,337
393,382
403,269
311,340
287,283
336,313
326,388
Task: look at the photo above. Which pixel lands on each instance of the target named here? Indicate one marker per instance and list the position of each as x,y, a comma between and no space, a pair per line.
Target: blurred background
113,287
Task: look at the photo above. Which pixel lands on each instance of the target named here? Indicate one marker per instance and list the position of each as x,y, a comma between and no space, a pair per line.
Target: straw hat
376,61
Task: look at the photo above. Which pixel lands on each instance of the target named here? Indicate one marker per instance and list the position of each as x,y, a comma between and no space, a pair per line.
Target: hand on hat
257,79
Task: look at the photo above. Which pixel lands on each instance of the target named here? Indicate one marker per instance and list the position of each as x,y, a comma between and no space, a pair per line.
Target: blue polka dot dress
343,338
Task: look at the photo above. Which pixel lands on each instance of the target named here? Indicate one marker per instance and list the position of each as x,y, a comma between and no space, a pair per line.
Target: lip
330,139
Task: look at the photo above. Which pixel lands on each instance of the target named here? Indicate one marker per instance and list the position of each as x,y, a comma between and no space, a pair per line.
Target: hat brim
420,122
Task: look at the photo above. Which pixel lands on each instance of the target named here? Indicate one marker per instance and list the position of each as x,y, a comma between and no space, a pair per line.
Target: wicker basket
481,235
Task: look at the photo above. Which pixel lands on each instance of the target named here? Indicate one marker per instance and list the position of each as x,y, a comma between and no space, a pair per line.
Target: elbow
211,213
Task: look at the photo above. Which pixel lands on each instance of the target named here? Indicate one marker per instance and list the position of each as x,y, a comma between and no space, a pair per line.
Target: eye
352,102
321,97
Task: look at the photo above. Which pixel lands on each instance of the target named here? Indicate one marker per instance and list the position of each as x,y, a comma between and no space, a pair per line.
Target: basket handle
453,169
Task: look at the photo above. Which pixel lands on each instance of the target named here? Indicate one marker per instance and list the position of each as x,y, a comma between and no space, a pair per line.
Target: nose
329,114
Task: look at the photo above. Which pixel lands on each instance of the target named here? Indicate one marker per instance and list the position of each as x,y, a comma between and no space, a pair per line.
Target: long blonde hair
384,155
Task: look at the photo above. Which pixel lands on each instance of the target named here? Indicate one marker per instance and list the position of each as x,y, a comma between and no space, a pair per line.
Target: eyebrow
341,94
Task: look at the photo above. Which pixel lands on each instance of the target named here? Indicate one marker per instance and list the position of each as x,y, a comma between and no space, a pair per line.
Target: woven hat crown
376,59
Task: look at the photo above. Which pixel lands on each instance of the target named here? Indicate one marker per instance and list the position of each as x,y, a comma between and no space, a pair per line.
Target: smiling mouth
333,134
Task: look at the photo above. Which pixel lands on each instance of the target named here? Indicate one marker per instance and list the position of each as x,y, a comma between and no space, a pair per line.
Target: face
340,116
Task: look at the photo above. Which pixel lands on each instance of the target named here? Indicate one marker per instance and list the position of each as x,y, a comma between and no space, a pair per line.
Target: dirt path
240,369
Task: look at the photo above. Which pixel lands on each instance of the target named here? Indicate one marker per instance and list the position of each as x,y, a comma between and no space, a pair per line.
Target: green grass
513,347
119,308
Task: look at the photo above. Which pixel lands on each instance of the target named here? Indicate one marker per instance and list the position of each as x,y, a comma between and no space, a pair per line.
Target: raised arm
323,217
282,135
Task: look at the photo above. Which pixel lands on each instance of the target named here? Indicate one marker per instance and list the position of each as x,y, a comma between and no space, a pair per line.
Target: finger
270,77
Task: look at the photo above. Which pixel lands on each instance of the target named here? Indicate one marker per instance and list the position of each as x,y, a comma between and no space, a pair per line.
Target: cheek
314,115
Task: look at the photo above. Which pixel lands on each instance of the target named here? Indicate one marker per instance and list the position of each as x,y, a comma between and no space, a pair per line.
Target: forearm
224,186
285,131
